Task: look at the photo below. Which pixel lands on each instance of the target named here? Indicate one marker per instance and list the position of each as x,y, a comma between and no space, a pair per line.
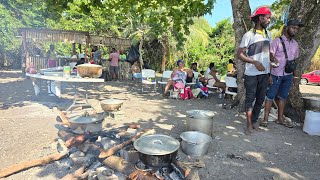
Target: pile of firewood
94,159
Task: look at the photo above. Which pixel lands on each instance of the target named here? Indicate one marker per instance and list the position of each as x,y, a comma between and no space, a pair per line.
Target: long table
54,86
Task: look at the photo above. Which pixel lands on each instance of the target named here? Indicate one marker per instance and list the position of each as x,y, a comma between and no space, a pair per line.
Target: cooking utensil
157,150
89,70
110,105
200,120
195,143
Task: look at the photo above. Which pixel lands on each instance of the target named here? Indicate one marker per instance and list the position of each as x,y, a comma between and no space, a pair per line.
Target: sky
222,9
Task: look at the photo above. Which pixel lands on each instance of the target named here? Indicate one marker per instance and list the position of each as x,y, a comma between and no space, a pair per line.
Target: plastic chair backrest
166,74
231,82
148,73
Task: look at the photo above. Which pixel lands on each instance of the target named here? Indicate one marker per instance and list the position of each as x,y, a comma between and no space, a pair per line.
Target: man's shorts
280,87
114,69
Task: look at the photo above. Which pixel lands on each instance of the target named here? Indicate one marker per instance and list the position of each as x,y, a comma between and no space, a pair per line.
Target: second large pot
157,150
200,120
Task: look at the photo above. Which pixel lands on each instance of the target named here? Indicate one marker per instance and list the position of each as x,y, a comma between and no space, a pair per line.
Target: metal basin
110,105
195,143
89,70
312,103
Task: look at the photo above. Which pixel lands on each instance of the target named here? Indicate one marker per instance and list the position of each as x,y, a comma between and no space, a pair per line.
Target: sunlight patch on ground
234,135
180,115
280,173
246,140
286,143
259,157
164,126
238,122
231,127
233,163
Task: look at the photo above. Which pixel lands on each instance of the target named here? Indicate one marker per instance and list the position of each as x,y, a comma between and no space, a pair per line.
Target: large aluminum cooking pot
195,143
312,103
89,70
157,150
110,105
200,120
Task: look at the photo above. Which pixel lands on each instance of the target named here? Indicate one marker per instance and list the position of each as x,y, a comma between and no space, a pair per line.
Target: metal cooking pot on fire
157,150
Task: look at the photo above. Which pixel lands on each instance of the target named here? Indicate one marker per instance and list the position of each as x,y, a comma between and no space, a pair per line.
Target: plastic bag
133,55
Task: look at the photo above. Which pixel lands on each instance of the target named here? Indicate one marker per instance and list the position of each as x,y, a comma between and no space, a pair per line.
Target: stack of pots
197,139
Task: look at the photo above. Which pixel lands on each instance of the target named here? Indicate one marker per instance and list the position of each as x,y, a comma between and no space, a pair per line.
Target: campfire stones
107,143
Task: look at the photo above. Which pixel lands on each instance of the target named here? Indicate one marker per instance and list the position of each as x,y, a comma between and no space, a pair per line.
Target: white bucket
312,123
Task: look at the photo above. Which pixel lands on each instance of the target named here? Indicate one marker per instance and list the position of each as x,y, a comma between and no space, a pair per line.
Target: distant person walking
254,51
114,64
283,48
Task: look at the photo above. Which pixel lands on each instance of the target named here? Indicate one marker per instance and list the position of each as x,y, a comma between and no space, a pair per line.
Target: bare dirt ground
28,130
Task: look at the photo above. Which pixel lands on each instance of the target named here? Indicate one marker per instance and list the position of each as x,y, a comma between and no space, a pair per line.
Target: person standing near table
52,57
114,64
254,50
280,80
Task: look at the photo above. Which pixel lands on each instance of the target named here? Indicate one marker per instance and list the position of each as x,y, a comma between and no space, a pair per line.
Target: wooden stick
26,165
64,118
185,170
75,141
111,151
77,173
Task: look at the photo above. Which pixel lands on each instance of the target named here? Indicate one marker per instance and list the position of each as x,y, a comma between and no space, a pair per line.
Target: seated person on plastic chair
136,73
179,74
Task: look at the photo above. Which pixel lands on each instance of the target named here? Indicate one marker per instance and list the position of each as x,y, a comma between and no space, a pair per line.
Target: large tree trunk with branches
309,40
241,12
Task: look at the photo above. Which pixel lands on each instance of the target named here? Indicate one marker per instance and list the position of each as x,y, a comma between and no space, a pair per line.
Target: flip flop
263,124
286,124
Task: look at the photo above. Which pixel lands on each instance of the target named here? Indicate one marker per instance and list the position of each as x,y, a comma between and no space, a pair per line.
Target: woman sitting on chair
179,74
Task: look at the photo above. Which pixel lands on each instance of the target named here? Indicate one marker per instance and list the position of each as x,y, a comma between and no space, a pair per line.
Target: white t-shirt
258,48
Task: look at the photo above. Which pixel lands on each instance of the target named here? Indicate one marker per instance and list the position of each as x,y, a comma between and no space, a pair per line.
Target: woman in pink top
114,64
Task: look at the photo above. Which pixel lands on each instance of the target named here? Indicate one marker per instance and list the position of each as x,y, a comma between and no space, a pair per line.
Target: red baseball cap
263,10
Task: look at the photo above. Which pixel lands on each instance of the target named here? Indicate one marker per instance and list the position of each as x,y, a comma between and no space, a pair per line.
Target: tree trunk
2,56
309,40
241,12
140,51
164,53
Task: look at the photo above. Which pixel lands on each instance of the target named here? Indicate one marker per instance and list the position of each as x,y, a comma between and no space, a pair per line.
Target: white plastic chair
164,78
231,82
148,78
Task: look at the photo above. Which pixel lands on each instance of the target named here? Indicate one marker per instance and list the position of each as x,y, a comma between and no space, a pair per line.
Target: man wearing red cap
255,51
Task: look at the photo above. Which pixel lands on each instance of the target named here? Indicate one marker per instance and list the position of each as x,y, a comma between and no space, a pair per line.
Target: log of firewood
65,135
26,165
77,140
111,151
64,118
77,173
183,169
117,163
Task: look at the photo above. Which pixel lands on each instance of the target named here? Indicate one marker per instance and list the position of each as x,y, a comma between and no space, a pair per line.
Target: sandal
263,124
286,124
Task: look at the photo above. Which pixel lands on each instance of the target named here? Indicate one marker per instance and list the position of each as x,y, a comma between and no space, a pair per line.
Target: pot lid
157,144
200,114
86,119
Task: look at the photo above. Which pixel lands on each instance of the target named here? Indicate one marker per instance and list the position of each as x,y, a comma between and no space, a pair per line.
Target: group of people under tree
269,67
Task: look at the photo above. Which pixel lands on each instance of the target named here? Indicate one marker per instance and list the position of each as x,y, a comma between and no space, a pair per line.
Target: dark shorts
114,69
189,79
280,87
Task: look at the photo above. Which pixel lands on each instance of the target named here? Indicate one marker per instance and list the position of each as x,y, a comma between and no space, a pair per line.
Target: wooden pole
26,165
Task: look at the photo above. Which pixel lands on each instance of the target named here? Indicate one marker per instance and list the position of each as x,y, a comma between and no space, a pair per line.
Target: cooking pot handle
192,143
157,141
